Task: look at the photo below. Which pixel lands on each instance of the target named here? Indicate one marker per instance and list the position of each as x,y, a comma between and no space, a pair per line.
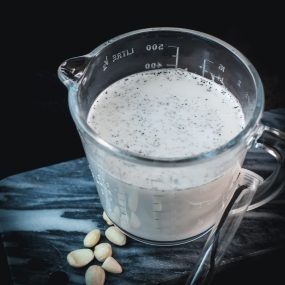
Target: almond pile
95,275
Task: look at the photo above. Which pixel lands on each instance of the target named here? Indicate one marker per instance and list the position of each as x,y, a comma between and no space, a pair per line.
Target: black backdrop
36,127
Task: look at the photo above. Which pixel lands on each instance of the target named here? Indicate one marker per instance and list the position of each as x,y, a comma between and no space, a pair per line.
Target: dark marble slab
46,212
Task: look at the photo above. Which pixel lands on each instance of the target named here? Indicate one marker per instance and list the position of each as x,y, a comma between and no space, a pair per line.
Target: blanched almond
107,219
112,265
95,275
102,251
114,235
92,238
80,257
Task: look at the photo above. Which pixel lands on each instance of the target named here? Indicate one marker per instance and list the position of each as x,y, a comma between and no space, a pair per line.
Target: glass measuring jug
164,200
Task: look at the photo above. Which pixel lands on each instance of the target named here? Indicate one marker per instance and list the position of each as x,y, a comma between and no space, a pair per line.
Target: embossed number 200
154,47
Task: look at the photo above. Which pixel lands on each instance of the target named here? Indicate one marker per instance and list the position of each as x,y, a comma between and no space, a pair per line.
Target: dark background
36,127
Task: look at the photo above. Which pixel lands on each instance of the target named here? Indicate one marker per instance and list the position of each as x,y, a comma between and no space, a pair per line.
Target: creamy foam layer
166,113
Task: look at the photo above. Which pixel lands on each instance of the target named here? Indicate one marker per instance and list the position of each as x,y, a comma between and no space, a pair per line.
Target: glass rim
132,156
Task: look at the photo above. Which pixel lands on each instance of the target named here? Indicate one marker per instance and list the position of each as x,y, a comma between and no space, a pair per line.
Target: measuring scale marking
214,77
156,210
106,63
176,56
154,65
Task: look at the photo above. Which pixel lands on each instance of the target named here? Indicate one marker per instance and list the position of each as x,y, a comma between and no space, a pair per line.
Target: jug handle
272,141
71,71
224,230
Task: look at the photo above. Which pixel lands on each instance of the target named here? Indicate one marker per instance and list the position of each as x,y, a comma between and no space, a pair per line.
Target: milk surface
166,113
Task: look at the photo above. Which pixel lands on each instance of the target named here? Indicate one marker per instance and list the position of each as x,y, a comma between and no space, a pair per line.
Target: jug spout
72,70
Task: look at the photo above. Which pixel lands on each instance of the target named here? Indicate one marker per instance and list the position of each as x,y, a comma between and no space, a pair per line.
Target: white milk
165,114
